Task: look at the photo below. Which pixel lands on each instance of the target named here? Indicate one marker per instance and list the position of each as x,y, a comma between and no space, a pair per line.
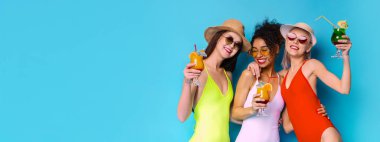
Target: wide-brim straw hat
285,29
230,25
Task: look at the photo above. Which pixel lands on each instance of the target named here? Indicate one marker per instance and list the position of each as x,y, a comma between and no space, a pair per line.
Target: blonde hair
286,59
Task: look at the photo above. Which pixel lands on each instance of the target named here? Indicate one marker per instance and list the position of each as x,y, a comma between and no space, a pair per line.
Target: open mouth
261,60
229,51
294,47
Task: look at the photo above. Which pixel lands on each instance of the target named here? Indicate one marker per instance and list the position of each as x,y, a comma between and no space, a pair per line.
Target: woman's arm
287,124
244,84
186,101
254,68
342,85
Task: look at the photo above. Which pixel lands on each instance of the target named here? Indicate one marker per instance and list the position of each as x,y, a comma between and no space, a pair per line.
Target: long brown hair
228,64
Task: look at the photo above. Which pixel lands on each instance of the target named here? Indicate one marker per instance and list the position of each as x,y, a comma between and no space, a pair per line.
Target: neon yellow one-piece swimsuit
212,113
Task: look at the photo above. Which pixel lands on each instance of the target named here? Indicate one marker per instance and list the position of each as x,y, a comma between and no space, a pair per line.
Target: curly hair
269,31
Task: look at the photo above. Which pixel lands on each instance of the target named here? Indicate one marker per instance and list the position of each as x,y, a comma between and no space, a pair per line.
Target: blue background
111,70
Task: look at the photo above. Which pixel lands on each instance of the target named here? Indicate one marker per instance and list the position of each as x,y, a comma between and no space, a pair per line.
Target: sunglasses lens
265,53
238,45
302,41
229,40
291,38
254,54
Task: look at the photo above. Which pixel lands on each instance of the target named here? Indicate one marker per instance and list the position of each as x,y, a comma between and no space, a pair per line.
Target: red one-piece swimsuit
302,104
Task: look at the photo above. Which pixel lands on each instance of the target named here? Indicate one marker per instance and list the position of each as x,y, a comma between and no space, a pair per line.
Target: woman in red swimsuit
299,85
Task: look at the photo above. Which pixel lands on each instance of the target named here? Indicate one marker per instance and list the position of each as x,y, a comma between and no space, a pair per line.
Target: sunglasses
229,40
255,52
293,36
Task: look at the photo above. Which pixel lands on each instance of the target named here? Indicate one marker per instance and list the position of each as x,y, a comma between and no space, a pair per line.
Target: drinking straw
326,20
195,47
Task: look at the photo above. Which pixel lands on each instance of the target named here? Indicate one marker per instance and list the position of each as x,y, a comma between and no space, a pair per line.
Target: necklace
269,77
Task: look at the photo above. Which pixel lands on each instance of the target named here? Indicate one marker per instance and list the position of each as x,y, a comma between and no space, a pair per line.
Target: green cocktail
338,33
336,36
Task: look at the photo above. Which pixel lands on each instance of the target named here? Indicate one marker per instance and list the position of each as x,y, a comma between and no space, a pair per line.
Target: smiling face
228,45
224,45
298,43
262,53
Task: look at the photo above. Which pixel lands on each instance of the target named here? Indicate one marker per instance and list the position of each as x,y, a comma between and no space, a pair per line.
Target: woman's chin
295,55
227,55
264,65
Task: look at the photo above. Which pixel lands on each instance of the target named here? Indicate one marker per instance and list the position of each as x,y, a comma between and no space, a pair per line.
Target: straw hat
285,29
230,25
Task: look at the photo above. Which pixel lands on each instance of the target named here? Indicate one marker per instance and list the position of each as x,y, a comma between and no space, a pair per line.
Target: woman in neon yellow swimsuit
211,100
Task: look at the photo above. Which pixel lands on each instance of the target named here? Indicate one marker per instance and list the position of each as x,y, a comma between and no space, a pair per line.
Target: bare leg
331,135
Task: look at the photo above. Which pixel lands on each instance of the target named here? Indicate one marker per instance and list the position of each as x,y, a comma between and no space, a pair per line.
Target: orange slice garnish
268,86
343,24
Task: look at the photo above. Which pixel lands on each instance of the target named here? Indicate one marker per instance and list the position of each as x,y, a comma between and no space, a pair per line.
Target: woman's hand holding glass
344,45
257,103
191,73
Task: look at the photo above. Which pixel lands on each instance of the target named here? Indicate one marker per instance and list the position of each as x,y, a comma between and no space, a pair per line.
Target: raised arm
186,101
341,85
